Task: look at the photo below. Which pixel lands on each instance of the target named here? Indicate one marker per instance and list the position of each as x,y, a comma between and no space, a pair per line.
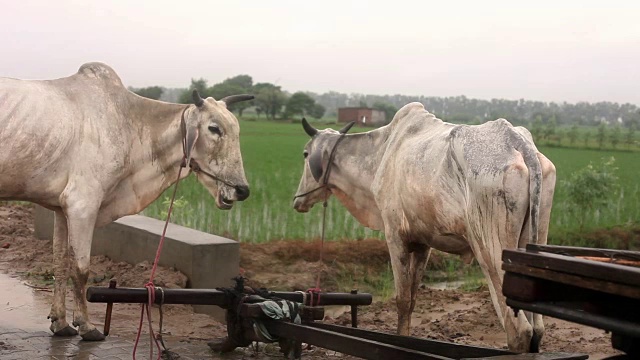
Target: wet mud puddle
21,305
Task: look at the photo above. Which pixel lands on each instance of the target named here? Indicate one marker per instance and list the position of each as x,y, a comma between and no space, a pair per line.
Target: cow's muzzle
224,203
300,205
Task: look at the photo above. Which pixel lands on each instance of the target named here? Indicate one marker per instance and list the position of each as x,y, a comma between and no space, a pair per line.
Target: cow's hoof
93,335
67,331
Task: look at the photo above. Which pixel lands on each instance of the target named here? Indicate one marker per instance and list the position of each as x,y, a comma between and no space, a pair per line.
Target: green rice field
623,207
273,162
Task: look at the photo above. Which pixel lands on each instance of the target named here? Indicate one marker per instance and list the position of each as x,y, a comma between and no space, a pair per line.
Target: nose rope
194,166
197,169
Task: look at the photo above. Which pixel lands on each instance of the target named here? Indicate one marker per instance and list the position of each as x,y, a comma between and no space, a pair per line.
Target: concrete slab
209,261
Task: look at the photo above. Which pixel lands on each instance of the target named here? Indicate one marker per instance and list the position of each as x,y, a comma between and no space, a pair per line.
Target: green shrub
592,187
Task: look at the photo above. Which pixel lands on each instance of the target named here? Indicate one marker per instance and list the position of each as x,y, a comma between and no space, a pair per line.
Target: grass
42,278
272,153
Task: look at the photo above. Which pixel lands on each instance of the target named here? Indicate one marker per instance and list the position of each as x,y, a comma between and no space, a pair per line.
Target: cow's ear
315,164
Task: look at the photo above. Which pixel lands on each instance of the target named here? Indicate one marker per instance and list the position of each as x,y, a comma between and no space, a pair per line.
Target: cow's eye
214,128
305,154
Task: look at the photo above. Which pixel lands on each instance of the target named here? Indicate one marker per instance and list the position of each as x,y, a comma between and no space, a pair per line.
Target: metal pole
212,297
107,317
354,311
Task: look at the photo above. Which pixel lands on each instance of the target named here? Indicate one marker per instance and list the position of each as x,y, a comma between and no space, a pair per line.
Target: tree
317,111
560,135
151,92
587,137
299,104
615,135
630,136
550,128
240,81
573,134
239,84
200,85
537,130
269,99
389,109
602,134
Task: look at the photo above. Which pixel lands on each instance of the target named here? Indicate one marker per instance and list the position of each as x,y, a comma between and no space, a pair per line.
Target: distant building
362,116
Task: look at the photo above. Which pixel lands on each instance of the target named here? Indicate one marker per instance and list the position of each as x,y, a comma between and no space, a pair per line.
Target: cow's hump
97,70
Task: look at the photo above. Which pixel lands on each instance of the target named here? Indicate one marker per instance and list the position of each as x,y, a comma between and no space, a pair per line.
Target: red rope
317,290
151,290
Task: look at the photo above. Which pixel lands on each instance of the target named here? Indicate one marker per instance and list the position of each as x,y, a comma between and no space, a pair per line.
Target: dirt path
450,315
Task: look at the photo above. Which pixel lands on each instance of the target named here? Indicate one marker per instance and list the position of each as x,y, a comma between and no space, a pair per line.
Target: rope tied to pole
151,289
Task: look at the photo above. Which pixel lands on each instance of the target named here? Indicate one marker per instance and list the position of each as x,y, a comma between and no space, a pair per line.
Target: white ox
92,151
466,190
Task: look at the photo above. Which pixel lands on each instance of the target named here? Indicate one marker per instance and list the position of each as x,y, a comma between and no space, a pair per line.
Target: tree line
605,136
270,100
460,109
273,102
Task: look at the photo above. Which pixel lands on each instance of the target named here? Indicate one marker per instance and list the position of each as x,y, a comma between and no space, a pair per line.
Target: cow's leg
419,257
81,216
519,331
510,224
400,264
58,313
533,319
495,219
546,199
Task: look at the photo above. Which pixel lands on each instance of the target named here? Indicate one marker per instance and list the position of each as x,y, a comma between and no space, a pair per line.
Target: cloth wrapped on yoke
277,310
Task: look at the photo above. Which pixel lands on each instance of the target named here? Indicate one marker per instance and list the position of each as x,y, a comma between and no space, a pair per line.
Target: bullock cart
290,318
593,287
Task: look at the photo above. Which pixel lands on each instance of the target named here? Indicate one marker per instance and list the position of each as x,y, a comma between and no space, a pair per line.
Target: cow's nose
242,192
299,206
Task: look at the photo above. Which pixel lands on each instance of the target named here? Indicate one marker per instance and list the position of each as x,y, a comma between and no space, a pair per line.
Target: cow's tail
530,156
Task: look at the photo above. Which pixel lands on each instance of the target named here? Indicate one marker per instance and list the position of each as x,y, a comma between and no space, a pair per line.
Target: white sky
551,51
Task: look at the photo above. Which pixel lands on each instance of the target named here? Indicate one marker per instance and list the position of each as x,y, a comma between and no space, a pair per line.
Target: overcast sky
551,51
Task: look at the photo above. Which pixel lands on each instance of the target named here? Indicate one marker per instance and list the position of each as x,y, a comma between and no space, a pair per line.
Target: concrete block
43,223
209,261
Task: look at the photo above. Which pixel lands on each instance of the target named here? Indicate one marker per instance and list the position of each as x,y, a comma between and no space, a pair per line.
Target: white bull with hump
92,151
466,190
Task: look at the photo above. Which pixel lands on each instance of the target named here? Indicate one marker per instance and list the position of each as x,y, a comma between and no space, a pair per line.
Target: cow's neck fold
355,166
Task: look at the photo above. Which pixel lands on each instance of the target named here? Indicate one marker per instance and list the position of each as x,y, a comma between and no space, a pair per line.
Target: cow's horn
236,98
196,98
310,130
346,128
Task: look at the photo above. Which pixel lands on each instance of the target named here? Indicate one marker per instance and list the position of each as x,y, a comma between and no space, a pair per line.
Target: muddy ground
465,317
